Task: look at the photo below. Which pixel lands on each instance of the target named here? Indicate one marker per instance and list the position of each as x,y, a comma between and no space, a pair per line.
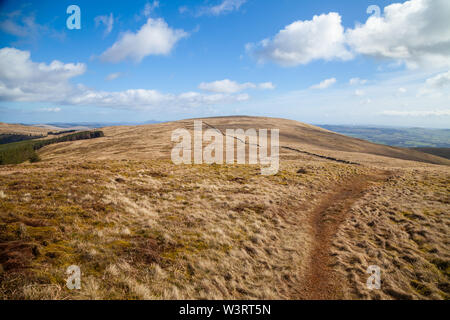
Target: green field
397,137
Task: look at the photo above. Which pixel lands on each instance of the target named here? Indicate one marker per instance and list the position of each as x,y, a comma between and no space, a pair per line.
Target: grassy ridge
17,152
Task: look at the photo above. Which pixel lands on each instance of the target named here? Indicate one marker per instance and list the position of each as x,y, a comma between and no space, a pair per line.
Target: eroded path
319,280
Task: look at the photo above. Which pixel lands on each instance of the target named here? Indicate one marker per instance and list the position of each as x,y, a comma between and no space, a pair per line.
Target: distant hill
154,141
440,152
398,137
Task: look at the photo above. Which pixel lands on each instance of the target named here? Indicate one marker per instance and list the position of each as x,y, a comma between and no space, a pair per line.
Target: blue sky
313,61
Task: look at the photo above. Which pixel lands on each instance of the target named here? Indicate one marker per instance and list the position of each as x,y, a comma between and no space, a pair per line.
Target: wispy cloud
228,86
357,81
24,26
49,109
225,7
220,8
324,84
107,21
113,76
416,113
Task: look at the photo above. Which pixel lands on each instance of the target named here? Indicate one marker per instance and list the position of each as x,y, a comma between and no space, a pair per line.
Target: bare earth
141,227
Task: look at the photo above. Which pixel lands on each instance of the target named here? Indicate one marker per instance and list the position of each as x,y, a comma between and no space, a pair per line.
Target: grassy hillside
154,141
141,227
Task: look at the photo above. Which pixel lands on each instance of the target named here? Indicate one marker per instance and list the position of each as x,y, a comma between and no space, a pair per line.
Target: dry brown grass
7,128
141,227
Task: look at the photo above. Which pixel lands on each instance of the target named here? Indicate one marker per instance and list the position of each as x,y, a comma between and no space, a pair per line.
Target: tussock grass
153,230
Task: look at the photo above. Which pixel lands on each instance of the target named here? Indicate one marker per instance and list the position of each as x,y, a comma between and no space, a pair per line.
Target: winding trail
320,281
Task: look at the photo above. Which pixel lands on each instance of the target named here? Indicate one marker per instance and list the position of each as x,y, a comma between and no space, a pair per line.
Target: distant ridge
91,125
396,137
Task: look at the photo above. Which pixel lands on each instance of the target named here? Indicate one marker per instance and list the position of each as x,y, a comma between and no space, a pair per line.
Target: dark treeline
14,137
18,152
57,133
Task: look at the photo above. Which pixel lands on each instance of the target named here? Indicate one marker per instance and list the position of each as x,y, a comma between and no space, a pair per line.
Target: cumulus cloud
107,21
154,38
228,86
224,7
415,32
416,113
24,80
304,41
324,84
21,79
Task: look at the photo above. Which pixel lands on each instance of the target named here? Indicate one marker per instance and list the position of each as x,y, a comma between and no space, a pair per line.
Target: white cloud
228,86
415,32
225,7
416,113
439,81
357,81
149,99
21,79
107,21
402,90
304,41
266,86
24,80
324,84
113,76
359,93
154,38
435,85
